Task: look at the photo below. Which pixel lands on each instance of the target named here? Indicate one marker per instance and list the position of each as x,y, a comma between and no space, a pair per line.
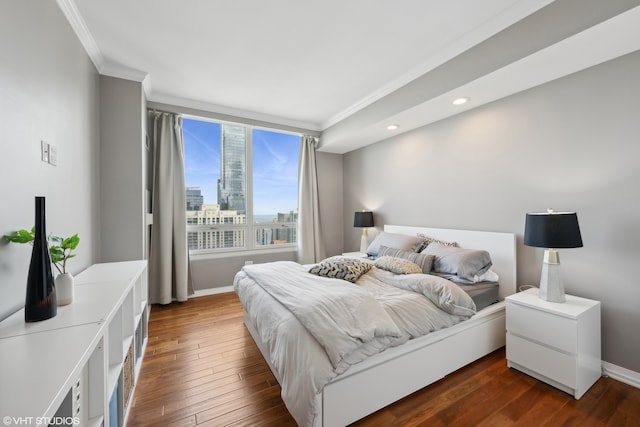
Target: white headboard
501,247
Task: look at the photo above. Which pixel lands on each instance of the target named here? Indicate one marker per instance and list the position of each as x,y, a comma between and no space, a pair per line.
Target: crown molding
106,68
71,12
123,72
610,39
163,98
468,40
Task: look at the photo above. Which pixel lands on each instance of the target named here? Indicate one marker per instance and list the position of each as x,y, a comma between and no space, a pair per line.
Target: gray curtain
169,272
310,244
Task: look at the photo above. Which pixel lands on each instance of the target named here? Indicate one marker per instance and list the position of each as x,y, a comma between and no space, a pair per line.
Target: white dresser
558,343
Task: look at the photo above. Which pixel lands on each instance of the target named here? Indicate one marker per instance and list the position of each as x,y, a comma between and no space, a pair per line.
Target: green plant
60,251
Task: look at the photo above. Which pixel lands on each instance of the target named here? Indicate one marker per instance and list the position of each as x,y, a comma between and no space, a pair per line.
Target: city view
241,183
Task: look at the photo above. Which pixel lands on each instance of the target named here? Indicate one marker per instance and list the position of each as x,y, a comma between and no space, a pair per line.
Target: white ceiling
308,64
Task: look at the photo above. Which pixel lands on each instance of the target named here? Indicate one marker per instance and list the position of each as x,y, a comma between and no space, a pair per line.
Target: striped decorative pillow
425,262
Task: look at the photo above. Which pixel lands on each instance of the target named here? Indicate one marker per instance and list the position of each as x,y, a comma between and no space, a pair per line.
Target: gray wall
571,144
48,90
123,170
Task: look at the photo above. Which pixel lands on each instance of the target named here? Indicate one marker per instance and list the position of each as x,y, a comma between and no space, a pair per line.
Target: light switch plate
53,155
44,151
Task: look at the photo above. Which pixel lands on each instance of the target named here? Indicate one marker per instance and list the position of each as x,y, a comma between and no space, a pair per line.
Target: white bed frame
399,371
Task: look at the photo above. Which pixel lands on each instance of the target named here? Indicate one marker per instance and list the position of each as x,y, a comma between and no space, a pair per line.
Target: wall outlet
44,151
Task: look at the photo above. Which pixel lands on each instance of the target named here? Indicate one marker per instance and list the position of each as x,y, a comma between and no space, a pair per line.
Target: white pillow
488,276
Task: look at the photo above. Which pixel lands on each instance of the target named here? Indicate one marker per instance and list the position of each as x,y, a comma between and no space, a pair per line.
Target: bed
353,390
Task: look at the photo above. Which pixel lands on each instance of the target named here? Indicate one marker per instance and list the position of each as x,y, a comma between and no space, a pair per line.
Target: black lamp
363,220
552,230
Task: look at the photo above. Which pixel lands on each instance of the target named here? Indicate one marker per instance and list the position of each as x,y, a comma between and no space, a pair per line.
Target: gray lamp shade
554,230
363,219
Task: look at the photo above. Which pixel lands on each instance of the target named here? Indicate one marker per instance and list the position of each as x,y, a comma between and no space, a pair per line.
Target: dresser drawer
546,328
550,363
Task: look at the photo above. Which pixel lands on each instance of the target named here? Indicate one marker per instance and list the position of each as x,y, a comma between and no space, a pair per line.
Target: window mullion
249,236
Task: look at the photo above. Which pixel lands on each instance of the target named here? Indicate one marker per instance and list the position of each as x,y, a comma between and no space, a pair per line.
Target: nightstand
557,343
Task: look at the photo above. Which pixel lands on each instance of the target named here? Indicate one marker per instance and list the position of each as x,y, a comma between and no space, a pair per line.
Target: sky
275,165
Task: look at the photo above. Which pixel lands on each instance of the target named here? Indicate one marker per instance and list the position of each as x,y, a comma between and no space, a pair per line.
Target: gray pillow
345,268
465,263
395,241
424,261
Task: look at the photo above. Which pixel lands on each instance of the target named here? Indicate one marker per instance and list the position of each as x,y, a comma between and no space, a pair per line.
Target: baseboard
624,375
211,291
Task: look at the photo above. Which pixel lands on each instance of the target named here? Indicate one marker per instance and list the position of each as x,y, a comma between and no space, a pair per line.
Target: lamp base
364,241
551,285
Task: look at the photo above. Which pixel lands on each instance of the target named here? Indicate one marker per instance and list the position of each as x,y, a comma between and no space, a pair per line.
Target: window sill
242,253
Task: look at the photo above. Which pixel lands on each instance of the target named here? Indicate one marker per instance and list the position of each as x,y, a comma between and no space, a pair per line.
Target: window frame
250,228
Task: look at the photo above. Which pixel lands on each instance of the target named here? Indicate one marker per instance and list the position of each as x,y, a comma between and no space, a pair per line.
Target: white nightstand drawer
549,329
545,361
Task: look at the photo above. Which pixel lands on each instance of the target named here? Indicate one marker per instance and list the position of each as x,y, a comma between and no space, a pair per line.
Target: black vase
41,301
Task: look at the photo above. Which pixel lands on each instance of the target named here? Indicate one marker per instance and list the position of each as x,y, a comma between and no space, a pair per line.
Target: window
242,186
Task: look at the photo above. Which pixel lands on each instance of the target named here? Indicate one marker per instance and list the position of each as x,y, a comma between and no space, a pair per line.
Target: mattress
483,294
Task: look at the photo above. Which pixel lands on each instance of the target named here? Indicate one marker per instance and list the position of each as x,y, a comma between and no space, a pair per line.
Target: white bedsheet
312,335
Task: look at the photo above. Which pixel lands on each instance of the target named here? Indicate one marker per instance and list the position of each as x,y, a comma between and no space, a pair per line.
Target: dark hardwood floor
202,368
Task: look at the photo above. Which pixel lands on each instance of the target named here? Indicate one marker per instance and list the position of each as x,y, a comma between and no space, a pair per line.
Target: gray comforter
315,328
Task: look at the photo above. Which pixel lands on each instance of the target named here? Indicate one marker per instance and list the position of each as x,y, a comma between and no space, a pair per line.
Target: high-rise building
213,237
286,234
281,231
233,165
277,233
194,198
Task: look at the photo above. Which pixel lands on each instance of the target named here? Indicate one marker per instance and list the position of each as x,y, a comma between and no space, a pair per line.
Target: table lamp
363,220
552,230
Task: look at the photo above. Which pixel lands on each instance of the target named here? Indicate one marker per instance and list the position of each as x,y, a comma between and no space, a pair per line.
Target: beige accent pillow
397,265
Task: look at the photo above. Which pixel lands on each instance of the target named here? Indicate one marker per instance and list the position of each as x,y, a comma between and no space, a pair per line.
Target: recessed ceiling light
393,127
460,101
